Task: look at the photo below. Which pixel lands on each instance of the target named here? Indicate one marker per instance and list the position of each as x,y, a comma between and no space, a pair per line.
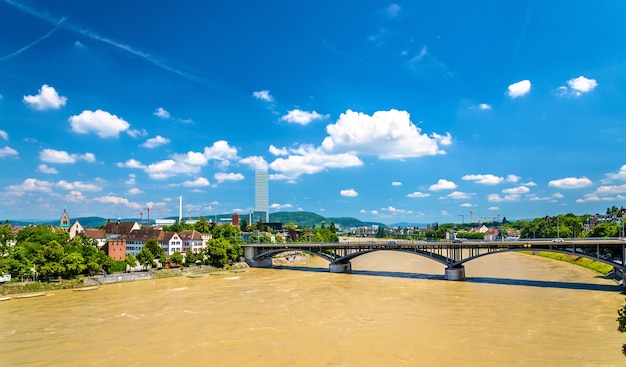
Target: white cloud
223,176
445,213
277,206
514,178
254,162
393,10
131,163
581,85
155,142
498,198
487,179
467,205
221,151
75,196
385,134
47,99
133,133
418,194
134,191
101,123
277,151
442,185
116,200
198,182
610,190
162,113
396,183
516,190
131,178
77,185
4,135
263,95
29,185
394,210
484,106
620,175
7,151
570,183
61,156
458,195
349,193
518,89
309,160
302,117
493,208
46,169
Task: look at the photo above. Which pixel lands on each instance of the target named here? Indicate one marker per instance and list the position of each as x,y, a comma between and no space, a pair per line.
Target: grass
597,266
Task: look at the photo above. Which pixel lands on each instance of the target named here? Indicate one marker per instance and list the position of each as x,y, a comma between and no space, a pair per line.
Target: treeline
42,252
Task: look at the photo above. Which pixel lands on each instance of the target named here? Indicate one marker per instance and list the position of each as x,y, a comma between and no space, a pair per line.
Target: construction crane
471,215
495,218
462,218
141,219
148,209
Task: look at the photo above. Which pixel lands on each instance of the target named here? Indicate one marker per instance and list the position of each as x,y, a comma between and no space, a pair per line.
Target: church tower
65,219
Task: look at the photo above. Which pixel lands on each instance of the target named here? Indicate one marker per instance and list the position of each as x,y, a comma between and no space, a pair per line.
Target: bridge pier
455,273
340,268
266,262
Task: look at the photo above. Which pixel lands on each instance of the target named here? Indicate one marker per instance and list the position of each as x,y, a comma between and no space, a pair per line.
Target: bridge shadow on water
481,280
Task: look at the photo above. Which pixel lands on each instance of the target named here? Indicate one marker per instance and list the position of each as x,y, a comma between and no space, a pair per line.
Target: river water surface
394,310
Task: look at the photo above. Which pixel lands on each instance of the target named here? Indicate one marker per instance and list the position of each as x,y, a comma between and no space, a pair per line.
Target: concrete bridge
452,254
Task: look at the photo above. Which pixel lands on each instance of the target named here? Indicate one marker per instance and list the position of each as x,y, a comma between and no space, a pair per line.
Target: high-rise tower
261,196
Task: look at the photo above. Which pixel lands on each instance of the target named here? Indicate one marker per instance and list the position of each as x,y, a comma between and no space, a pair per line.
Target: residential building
75,230
193,241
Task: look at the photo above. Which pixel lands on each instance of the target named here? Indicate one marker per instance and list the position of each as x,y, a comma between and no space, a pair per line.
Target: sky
415,111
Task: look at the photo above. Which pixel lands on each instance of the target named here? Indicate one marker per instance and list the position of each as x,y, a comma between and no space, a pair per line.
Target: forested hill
308,219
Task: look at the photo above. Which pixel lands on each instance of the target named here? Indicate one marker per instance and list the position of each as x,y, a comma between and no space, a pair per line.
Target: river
395,309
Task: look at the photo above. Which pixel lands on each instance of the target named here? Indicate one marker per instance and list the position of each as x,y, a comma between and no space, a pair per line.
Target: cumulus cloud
458,195
134,191
349,193
385,134
395,210
116,200
31,185
162,113
396,183
307,159
619,175
99,122
514,178
497,198
198,182
578,86
442,184
487,179
4,135
518,89
254,162
223,176
278,151
302,117
77,185
47,99
220,151
277,206
155,142
418,194
75,196
483,106
61,156
7,152
263,95
570,183
516,190
131,163
46,169
134,133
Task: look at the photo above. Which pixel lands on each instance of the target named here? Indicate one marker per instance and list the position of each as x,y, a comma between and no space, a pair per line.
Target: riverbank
30,287
596,266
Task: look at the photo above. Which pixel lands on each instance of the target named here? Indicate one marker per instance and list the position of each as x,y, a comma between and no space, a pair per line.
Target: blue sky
413,111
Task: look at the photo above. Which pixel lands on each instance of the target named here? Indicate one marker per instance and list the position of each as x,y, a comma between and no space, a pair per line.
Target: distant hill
308,219
303,219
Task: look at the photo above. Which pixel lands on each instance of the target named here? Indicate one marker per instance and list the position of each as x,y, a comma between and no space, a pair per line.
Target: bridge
452,254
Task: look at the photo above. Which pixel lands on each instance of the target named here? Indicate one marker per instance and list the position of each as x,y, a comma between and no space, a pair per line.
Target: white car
557,240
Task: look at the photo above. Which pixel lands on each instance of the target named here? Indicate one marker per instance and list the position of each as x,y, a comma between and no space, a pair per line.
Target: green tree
243,225
145,257
157,251
621,327
217,252
73,263
190,258
131,261
48,260
176,258
202,225
333,227
6,239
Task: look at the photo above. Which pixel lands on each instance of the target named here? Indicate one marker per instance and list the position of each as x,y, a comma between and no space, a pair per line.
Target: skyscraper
261,196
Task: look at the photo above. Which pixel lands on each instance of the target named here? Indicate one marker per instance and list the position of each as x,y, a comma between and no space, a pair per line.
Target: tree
244,225
6,239
217,252
333,227
48,260
74,264
202,225
131,261
190,258
157,251
621,327
145,257
176,258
